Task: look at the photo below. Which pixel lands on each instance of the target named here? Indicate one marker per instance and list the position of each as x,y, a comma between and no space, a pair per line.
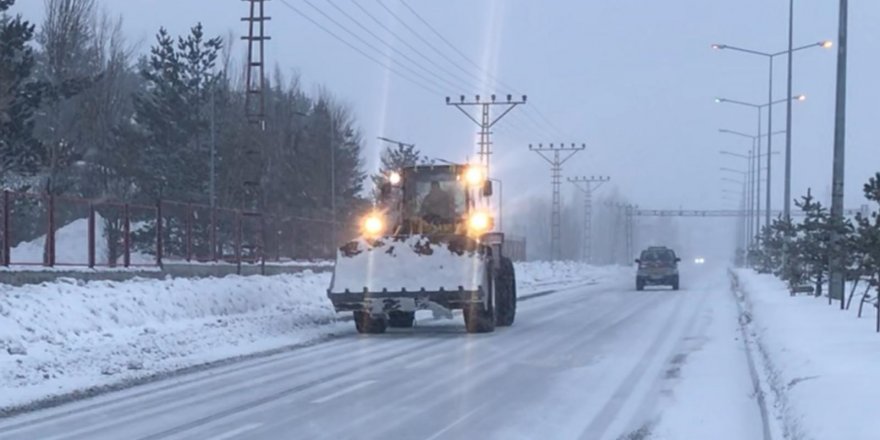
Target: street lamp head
801,97
719,100
827,44
719,46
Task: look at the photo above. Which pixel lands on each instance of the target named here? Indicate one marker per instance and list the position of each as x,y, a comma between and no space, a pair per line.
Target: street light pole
786,210
769,105
746,194
753,170
757,230
771,56
770,140
836,277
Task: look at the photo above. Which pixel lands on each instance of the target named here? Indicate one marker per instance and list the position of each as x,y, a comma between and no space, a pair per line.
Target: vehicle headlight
373,225
479,222
474,175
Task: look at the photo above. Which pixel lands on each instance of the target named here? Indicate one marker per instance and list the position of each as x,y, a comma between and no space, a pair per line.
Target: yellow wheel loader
428,244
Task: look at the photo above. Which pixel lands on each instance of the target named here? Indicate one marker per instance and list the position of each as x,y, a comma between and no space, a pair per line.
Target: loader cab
436,195
439,198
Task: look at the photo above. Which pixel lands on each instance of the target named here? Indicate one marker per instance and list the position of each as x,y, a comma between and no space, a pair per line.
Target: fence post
50,233
213,234
159,233
188,232
261,245
238,232
91,235
126,235
7,246
276,228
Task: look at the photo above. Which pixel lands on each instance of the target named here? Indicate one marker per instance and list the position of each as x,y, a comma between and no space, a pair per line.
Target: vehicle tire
675,284
505,293
401,319
366,323
640,284
480,318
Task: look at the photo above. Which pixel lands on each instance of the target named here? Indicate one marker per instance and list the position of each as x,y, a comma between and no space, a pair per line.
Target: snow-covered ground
821,365
69,335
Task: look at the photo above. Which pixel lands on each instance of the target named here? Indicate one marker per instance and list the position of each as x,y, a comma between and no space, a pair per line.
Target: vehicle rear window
660,255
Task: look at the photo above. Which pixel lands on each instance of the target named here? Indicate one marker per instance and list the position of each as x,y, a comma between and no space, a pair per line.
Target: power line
361,40
428,43
361,51
410,46
495,79
448,43
385,43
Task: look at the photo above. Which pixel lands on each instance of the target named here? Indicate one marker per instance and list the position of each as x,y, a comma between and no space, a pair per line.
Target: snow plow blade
408,273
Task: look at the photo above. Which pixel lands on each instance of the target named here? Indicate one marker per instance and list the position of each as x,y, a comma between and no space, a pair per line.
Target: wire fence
49,230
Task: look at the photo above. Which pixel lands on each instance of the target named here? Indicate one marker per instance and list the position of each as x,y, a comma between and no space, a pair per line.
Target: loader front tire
366,323
505,290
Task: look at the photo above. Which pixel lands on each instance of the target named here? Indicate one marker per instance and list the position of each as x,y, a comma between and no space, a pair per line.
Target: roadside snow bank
535,276
822,363
70,335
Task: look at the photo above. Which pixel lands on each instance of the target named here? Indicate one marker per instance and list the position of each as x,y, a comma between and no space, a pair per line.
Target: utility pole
255,112
553,154
630,212
836,276
486,121
212,180
585,184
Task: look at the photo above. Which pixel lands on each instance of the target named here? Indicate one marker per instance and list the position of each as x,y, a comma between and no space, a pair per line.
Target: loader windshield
439,201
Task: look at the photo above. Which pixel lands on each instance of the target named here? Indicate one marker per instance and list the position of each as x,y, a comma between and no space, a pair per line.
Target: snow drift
67,335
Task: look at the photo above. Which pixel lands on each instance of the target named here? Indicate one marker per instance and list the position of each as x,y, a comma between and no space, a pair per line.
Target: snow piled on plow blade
409,264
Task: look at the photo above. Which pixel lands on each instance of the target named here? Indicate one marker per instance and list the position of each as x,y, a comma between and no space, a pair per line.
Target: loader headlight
373,225
479,222
394,178
474,175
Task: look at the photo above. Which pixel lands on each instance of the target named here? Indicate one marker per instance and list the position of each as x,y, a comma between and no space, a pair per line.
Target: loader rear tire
401,319
366,323
505,291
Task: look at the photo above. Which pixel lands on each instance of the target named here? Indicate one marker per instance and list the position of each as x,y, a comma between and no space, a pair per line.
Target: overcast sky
633,79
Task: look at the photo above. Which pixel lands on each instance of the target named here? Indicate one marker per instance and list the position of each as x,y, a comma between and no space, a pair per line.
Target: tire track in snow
479,385
608,415
745,320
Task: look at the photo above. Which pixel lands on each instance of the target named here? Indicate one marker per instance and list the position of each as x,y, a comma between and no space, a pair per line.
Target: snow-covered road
601,361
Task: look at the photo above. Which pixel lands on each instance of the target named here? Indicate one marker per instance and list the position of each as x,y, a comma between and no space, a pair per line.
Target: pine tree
395,158
866,238
814,236
20,96
170,121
